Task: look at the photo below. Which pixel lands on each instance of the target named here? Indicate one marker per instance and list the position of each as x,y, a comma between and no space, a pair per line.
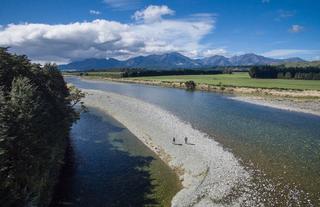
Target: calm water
282,147
108,166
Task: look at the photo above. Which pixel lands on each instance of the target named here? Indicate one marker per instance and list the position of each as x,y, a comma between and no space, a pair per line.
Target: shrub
190,85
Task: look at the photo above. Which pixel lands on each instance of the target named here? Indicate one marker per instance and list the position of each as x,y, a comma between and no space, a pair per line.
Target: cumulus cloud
296,28
103,38
95,12
152,13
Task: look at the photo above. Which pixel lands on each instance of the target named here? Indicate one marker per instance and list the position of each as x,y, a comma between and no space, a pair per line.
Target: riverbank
306,101
210,175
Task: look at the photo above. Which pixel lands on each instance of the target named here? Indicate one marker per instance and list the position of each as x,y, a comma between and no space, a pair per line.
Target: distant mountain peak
174,60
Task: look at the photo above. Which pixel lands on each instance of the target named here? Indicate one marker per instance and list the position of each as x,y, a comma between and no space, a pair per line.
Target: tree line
36,115
133,72
141,73
282,72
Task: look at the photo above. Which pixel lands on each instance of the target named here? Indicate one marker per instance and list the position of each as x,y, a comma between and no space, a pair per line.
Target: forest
282,72
141,73
36,114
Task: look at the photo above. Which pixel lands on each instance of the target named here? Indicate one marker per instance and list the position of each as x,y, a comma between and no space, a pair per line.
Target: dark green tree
36,113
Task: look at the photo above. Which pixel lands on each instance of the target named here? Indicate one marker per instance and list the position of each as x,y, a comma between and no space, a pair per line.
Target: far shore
305,101
273,92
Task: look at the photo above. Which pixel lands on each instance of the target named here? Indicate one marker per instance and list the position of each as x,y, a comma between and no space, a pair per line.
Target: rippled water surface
282,147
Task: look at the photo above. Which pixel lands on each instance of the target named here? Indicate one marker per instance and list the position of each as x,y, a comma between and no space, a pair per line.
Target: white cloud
95,12
103,38
152,13
284,53
296,28
212,52
123,4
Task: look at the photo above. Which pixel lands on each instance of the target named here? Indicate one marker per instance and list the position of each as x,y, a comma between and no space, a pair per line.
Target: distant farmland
239,80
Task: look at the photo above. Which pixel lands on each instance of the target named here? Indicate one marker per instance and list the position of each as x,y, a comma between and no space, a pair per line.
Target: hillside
174,61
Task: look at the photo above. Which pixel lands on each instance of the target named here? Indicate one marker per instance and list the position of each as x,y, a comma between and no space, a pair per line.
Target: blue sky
62,31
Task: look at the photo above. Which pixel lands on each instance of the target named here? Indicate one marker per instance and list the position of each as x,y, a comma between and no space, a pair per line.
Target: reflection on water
102,171
284,145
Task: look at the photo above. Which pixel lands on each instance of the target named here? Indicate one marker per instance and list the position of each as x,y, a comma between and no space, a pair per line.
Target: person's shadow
189,143
179,144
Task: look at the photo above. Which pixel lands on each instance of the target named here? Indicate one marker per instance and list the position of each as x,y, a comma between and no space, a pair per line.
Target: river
108,166
281,148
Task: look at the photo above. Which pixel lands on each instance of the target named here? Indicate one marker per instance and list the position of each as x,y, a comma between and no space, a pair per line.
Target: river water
280,148
109,166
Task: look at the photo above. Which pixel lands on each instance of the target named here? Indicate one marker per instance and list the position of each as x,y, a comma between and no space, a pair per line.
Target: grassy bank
241,79
238,83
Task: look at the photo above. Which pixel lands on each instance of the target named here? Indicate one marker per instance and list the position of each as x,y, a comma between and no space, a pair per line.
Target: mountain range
174,60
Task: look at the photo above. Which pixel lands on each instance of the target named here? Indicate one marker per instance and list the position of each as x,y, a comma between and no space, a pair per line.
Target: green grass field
240,79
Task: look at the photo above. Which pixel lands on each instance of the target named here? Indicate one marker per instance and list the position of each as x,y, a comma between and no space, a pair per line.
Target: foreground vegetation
241,79
36,114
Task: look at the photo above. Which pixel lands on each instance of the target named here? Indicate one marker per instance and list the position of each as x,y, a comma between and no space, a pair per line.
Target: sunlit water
280,148
109,166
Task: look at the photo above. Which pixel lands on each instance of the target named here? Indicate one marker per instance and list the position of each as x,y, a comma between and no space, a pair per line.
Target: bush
190,85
